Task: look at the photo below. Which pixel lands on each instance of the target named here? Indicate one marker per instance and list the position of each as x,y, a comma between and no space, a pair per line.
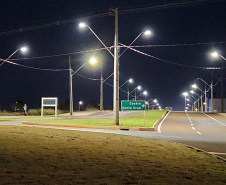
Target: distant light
82,25
192,91
80,103
188,104
130,80
93,61
23,49
155,100
139,87
145,92
185,93
147,32
194,86
214,54
146,102
188,100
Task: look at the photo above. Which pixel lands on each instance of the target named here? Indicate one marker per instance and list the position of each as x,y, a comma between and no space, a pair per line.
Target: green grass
136,121
30,155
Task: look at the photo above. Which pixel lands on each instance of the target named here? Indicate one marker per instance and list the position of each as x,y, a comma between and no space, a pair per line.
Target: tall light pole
193,92
92,61
196,87
215,54
128,82
116,73
185,95
23,50
211,99
101,89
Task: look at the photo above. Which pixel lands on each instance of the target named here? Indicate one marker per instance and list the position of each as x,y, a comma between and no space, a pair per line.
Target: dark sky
188,25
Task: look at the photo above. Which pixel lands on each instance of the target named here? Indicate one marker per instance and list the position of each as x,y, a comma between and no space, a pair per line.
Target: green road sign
133,105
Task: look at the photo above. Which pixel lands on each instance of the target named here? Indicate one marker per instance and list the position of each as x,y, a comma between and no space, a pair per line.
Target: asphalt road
204,131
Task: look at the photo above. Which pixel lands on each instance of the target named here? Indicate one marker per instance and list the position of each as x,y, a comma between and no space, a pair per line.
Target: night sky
182,38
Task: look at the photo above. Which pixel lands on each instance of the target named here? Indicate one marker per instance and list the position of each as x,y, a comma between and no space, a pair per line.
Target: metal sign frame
49,105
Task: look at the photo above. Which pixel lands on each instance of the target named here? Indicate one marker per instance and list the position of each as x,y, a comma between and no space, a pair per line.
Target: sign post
132,105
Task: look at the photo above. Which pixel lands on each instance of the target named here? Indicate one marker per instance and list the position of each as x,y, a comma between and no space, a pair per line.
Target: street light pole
101,89
71,92
116,73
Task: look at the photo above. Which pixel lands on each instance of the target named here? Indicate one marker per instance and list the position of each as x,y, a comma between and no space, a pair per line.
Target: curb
155,127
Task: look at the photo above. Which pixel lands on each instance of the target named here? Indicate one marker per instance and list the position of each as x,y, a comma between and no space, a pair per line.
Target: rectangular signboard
133,105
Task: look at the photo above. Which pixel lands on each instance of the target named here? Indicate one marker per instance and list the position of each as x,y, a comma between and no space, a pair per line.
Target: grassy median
136,121
30,155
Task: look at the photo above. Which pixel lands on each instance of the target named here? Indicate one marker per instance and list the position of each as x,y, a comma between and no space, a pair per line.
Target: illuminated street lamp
216,55
116,65
145,93
139,88
79,105
23,50
185,95
196,87
211,87
93,62
128,82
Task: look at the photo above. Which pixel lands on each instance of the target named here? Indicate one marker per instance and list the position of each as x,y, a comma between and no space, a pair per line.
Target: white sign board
49,102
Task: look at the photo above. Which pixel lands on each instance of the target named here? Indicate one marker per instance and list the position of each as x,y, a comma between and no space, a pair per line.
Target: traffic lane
217,117
206,126
177,123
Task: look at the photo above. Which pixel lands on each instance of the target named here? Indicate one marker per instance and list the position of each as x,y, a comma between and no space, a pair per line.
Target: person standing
25,109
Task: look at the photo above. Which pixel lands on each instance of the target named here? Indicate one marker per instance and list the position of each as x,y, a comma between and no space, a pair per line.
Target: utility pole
101,89
222,90
116,73
70,87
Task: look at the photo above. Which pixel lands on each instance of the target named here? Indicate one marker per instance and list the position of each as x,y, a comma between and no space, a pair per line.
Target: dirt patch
49,156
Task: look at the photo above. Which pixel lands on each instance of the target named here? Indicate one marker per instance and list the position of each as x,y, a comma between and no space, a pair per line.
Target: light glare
147,32
82,25
23,49
214,54
93,61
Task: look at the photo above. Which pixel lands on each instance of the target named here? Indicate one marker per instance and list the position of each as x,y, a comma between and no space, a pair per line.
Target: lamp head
130,80
194,86
80,103
214,54
93,61
185,93
145,93
82,25
147,32
23,49
139,87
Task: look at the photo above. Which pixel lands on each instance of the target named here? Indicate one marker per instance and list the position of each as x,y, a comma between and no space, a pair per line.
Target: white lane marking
217,153
160,124
214,119
192,126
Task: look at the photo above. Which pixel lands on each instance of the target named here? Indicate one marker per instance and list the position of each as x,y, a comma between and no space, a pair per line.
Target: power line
166,5
35,68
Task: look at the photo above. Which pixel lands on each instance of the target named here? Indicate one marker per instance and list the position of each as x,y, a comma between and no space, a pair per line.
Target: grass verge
48,156
136,121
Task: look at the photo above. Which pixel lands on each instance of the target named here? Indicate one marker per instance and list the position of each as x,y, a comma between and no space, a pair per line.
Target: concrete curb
200,150
159,120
